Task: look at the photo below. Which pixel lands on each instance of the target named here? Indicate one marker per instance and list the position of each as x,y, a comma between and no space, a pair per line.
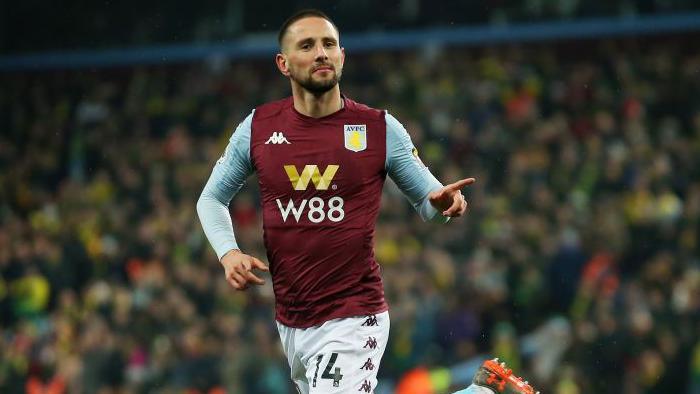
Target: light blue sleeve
229,174
405,168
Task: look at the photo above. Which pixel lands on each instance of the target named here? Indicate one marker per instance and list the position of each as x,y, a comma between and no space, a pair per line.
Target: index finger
260,265
459,184
250,277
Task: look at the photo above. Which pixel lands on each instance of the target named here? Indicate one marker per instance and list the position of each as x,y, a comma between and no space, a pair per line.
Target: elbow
208,201
201,204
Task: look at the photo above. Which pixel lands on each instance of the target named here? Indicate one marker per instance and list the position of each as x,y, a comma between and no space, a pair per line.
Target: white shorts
339,356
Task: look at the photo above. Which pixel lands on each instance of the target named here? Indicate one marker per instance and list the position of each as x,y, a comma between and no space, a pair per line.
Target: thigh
299,377
344,354
297,368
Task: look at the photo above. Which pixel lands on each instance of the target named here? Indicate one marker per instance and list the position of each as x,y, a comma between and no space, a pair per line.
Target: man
321,160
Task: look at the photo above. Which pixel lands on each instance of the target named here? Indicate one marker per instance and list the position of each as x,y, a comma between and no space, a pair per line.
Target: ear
281,61
342,56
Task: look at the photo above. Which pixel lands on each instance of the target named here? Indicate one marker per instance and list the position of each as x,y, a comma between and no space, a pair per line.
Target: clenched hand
238,268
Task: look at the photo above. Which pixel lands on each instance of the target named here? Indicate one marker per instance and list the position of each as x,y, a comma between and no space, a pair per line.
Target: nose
321,52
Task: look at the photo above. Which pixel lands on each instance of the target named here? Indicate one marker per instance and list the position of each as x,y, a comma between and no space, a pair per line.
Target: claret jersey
320,181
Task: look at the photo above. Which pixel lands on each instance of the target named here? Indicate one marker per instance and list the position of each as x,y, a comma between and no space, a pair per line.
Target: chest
293,157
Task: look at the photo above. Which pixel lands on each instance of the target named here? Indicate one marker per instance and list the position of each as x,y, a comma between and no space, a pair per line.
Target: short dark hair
310,12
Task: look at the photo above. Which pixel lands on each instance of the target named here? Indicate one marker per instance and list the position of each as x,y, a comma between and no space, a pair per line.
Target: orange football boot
500,379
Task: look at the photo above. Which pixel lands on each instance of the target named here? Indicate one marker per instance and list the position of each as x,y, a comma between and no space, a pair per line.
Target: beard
314,86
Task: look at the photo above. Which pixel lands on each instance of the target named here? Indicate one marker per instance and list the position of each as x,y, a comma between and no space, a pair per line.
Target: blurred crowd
578,263
99,25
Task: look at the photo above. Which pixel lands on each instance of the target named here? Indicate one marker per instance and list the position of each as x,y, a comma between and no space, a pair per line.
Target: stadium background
577,264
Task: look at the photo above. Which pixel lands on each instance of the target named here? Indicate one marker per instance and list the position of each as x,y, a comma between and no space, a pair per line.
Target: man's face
311,55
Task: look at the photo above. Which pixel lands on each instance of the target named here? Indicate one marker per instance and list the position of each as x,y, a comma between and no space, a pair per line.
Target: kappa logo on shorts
371,343
366,387
371,321
368,366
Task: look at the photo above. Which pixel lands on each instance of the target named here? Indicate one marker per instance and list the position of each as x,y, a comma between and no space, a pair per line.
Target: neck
316,106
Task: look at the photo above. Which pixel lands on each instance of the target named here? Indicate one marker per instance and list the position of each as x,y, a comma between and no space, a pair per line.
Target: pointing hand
449,200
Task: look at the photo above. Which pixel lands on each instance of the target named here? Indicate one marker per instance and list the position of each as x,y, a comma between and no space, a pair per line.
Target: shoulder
394,128
364,110
272,109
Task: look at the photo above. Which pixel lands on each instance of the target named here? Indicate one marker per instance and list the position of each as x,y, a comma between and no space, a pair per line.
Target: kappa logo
371,343
368,366
370,321
311,173
366,387
277,138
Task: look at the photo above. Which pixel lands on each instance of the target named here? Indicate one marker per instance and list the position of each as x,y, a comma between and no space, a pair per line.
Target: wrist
230,252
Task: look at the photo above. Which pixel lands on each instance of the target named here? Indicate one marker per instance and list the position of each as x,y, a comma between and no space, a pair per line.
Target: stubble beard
317,87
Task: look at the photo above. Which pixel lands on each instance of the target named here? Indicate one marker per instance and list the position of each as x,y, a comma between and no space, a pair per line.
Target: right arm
227,178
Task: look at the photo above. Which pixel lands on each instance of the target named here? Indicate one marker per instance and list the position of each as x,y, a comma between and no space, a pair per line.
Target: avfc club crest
355,137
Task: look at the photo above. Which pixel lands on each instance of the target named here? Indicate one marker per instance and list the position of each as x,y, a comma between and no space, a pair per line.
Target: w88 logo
316,209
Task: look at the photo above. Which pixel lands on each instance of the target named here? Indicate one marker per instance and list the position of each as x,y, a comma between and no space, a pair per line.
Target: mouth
322,69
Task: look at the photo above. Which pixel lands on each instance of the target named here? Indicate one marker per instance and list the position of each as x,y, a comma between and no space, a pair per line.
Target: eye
330,44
